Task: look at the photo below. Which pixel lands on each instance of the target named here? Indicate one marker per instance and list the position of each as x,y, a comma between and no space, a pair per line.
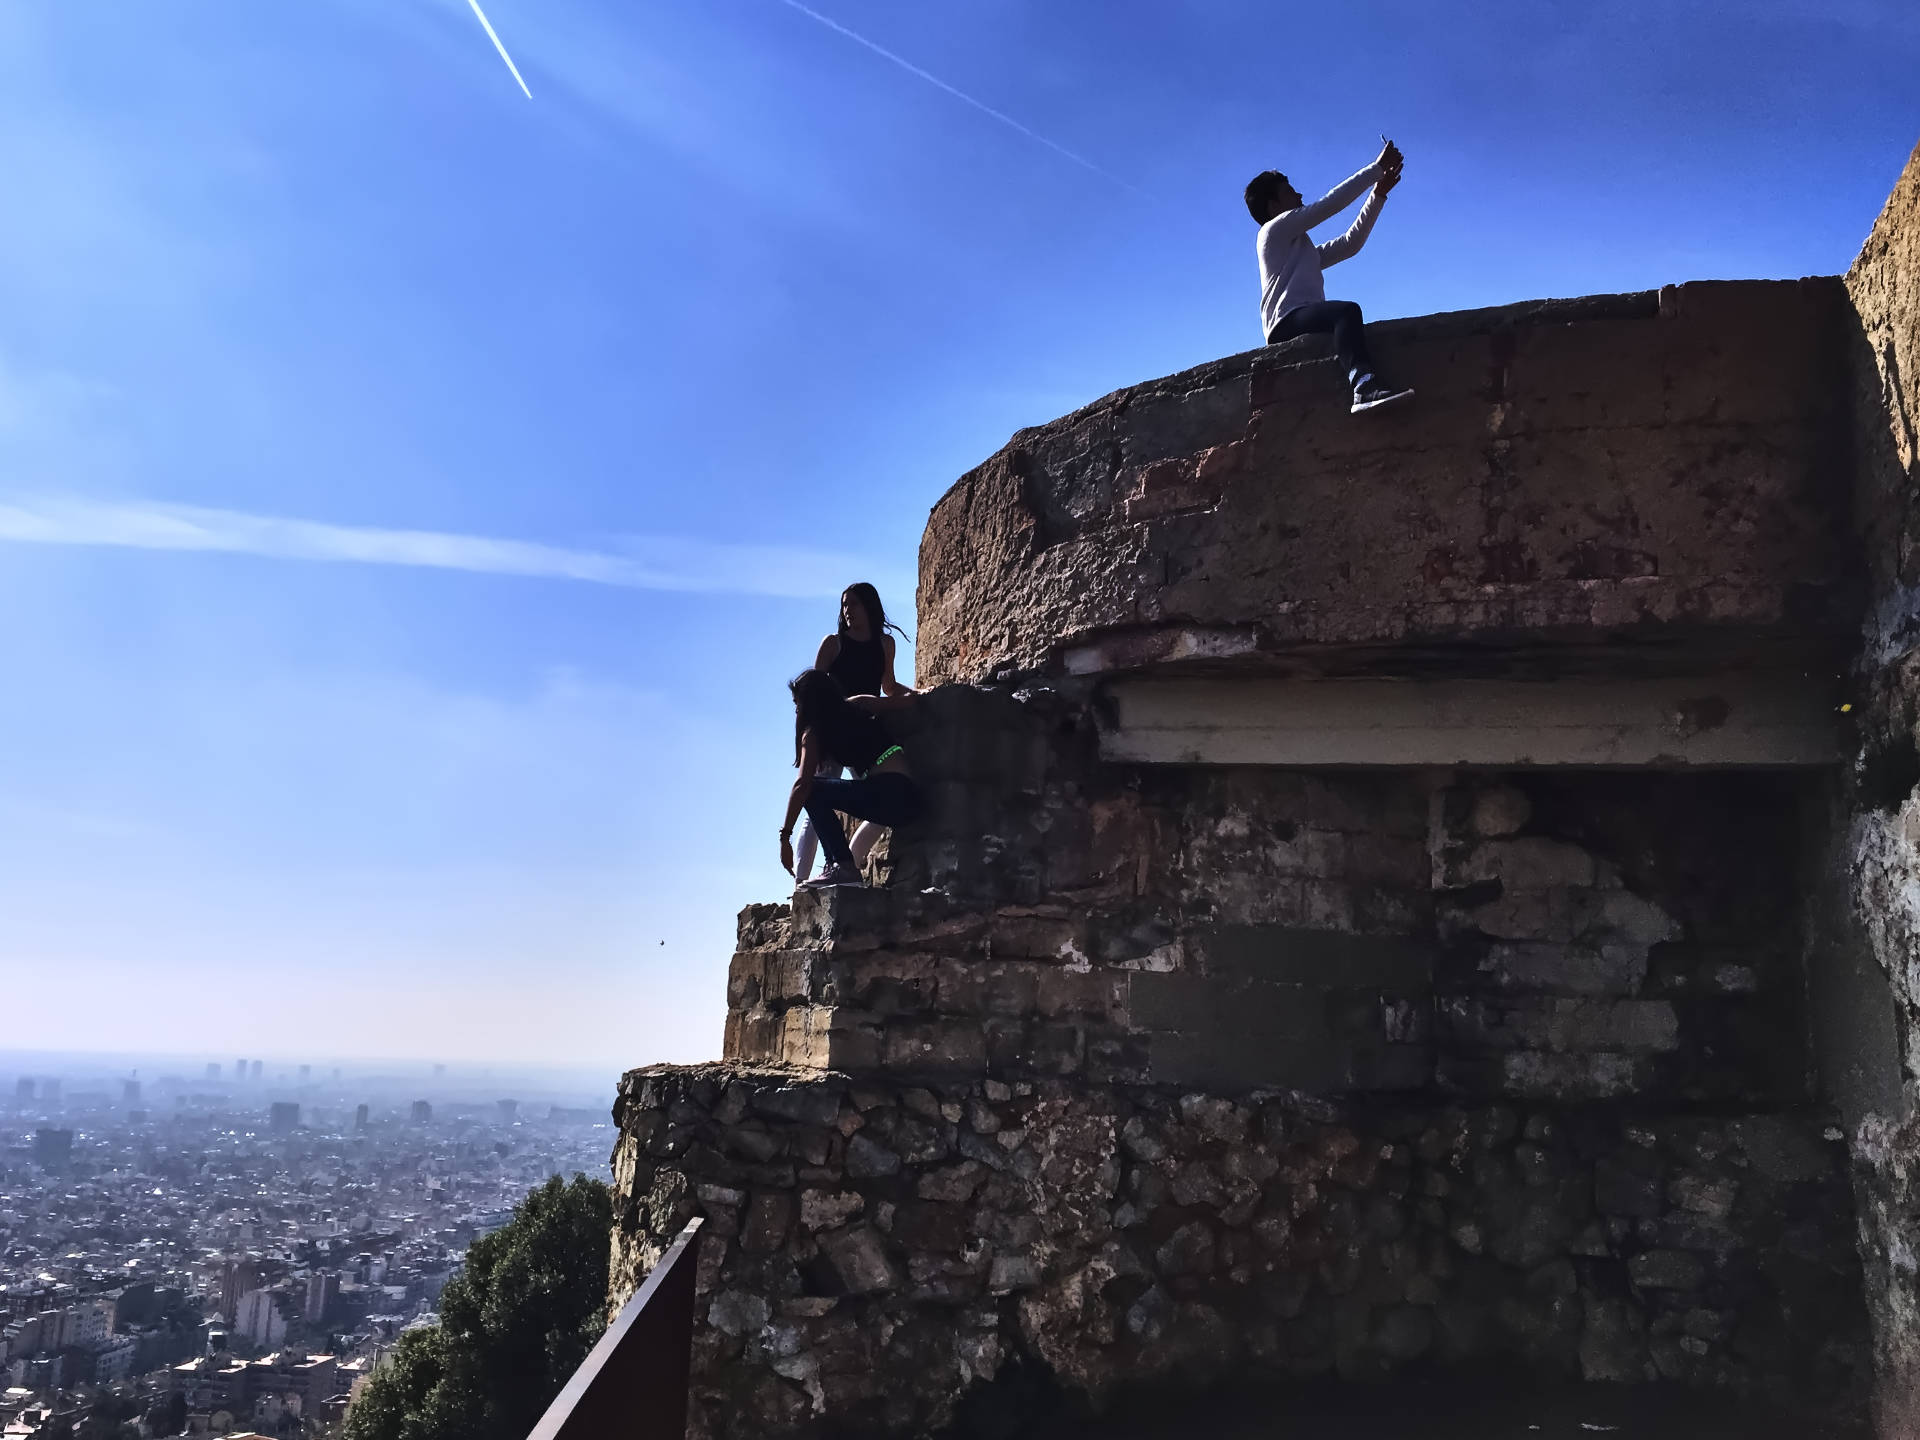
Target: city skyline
411,1074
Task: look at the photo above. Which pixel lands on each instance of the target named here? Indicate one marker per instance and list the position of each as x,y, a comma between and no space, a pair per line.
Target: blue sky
413,496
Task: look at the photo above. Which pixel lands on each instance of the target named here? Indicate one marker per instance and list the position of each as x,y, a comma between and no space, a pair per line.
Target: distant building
23,1089
283,1116
135,1305
260,1318
254,1073
238,1276
508,1109
20,1340
323,1296
360,1117
422,1112
129,1092
213,1070
80,1326
114,1360
240,1072
50,1090
317,1378
52,1148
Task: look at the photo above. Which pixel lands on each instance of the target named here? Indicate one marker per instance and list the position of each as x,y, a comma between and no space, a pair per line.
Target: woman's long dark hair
863,594
818,704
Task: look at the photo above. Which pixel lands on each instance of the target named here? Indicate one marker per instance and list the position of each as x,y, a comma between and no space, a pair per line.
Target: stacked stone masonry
877,1248
1874,903
1529,935
1202,1070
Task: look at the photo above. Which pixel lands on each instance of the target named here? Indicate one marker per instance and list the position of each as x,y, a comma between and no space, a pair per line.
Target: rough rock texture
1535,934
876,1248
1662,471
1178,1072
1880,868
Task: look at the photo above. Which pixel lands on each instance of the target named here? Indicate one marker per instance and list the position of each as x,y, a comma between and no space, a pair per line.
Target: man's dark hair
1263,195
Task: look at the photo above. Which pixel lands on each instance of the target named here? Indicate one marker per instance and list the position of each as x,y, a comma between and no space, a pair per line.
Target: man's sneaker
1371,395
833,875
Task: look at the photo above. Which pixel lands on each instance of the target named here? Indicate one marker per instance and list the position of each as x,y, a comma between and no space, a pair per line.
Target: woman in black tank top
860,653
860,656
826,721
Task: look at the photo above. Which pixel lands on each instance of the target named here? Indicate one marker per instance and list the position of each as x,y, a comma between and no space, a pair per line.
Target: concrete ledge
1749,720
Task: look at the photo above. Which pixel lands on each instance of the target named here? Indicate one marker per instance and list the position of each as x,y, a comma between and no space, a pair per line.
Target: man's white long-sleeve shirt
1290,263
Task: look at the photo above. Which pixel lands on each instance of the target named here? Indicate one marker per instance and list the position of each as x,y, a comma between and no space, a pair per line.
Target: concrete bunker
1396,898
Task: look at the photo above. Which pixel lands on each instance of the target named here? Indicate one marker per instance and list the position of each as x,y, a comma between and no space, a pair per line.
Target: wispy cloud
640,562
960,95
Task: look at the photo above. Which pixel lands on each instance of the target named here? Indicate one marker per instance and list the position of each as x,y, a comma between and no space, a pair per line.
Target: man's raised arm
1344,247
1304,217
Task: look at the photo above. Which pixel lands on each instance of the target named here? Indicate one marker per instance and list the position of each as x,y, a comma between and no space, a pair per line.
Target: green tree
515,1323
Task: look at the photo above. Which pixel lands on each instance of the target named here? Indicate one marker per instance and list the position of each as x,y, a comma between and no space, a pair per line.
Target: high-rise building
323,1294
360,1117
422,1112
237,1276
213,1070
239,1072
283,1116
508,1109
23,1089
130,1092
254,1073
52,1148
258,1317
50,1090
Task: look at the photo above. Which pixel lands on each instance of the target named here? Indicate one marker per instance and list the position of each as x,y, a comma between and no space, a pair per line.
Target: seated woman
860,655
826,722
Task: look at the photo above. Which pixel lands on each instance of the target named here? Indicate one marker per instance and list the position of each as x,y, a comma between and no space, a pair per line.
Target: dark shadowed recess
1024,1405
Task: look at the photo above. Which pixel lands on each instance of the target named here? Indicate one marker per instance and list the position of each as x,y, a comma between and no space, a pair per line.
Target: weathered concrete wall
1666,468
1881,863
876,1248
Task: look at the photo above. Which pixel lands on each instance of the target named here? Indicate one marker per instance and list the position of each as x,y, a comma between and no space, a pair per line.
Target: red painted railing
633,1386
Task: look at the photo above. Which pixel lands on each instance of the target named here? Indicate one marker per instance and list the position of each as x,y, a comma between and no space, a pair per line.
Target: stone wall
1177,1071
876,1248
1655,473
1880,856
1532,934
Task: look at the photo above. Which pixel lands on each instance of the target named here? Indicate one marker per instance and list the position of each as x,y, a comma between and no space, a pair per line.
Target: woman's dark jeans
887,799
1341,319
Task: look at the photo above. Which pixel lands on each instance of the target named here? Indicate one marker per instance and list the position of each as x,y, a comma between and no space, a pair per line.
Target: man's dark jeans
886,799
1341,319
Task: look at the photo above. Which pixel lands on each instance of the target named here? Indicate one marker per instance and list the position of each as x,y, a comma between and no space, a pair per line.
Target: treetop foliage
515,1323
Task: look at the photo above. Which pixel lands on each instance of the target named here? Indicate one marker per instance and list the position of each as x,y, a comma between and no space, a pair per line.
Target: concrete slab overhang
1764,720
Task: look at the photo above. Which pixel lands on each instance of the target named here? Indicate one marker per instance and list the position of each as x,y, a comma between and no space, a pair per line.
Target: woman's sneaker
1371,395
833,875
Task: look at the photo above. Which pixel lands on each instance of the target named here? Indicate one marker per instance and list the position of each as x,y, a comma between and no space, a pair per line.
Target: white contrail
958,94
632,562
501,48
